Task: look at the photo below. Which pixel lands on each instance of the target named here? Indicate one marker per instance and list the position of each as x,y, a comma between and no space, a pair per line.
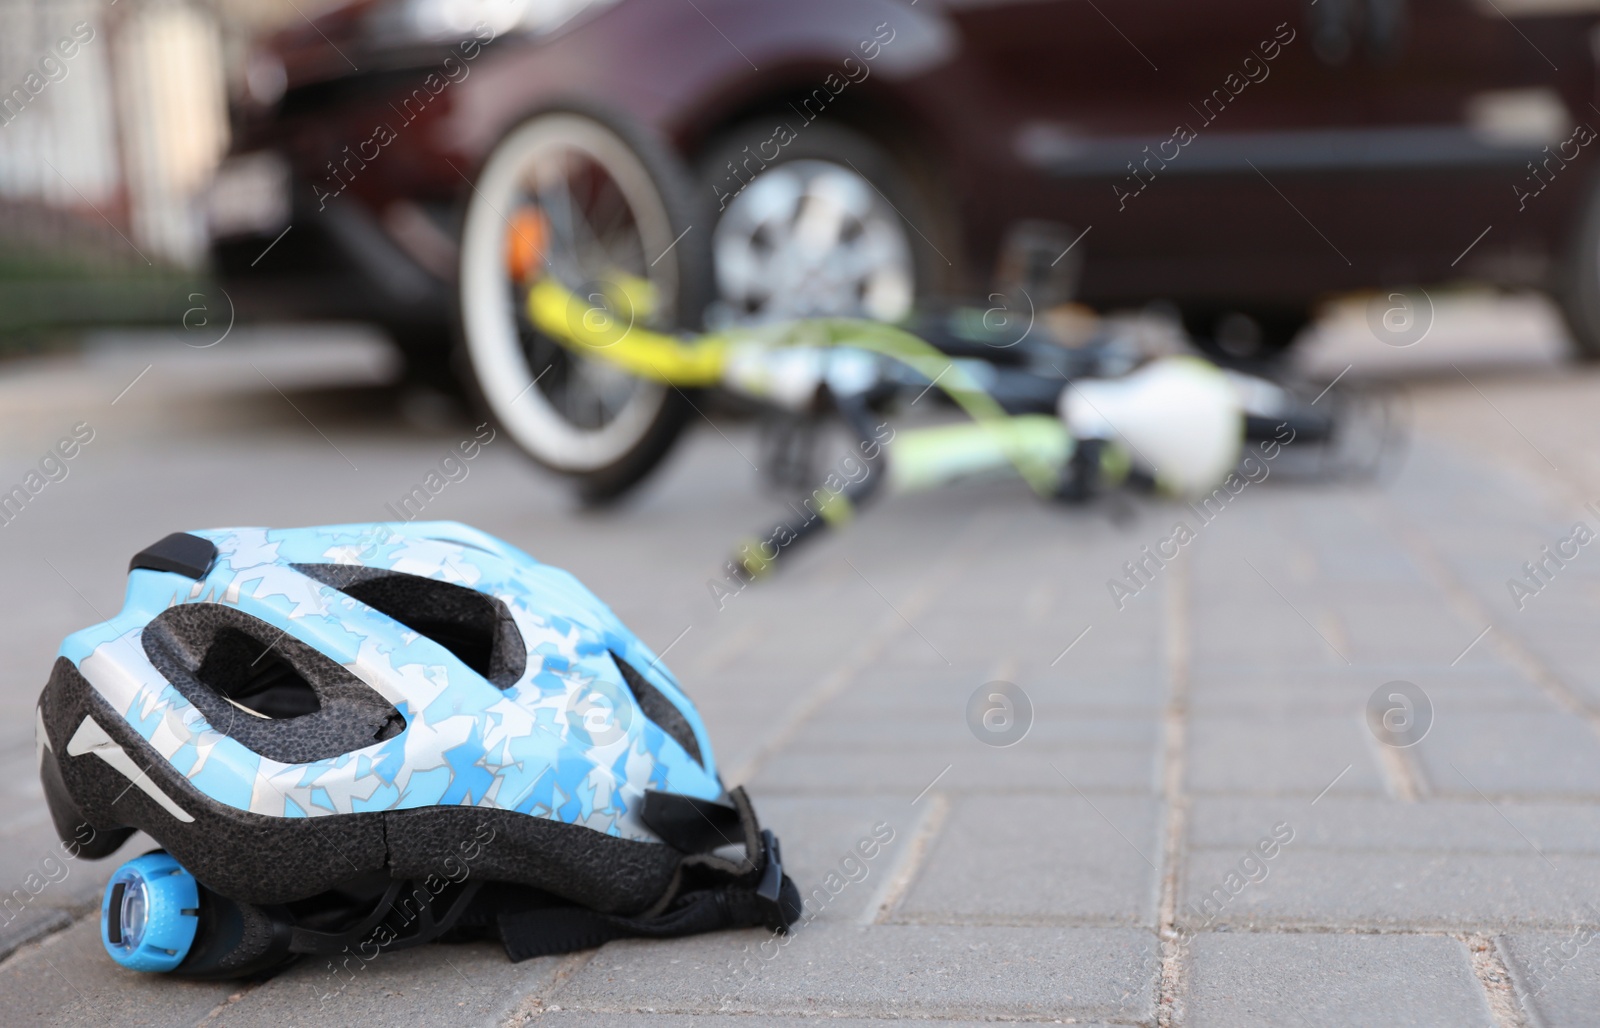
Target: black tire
607,460
1578,289
735,162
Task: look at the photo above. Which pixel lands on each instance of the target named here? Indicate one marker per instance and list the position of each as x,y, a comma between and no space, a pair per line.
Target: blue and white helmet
323,718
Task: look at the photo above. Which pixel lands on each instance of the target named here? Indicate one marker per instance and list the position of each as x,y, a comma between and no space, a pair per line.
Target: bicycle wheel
603,210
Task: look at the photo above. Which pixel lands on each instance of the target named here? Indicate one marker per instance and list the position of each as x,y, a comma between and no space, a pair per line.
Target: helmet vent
260,685
475,626
655,705
251,675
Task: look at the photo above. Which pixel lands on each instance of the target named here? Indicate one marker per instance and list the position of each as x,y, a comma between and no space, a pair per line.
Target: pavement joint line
1171,970
1519,984
1403,780
537,1001
930,822
1467,605
1499,987
869,649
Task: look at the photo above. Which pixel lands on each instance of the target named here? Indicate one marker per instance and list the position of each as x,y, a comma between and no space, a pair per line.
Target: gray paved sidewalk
1111,868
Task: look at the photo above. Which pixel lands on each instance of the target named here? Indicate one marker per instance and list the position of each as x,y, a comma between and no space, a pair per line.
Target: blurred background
1234,167
271,258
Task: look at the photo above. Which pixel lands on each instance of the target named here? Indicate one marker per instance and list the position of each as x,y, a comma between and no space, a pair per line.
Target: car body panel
1310,169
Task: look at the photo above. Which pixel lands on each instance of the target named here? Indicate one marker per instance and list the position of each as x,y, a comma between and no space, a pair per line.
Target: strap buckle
769,891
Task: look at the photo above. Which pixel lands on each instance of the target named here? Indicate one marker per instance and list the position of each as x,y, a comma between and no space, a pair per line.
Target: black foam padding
690,824
475,626
72,827
263,860
213,652
574,862
180,552
659,709
246,856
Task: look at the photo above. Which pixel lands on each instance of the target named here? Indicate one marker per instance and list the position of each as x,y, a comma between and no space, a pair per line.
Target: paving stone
1557,975
973,767
44,889
1511,752
1262,628
1242,980
471,984
1375,889
892,970
1068,689
1354,823
33,922
68,980
1051,727
1267,755
1299,690
823,835
579,1019
1041,860
1380,629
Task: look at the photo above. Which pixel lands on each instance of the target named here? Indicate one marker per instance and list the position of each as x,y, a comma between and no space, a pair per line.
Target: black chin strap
708,893
760,897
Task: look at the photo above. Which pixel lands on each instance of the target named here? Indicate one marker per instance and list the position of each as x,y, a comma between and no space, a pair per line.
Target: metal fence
112,116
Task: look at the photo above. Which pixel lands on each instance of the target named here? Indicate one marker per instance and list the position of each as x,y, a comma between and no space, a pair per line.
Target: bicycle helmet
364,737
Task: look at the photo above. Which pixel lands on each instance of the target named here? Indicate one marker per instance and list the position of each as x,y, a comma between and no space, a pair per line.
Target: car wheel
820,230
1252,334
608,204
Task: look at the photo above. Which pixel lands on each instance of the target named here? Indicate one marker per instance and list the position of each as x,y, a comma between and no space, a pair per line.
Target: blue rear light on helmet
150,913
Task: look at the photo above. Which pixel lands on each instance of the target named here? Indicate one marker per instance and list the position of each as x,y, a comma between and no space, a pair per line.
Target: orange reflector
525,243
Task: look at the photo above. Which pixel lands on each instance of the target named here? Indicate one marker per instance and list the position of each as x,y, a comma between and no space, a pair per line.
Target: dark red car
1239,159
